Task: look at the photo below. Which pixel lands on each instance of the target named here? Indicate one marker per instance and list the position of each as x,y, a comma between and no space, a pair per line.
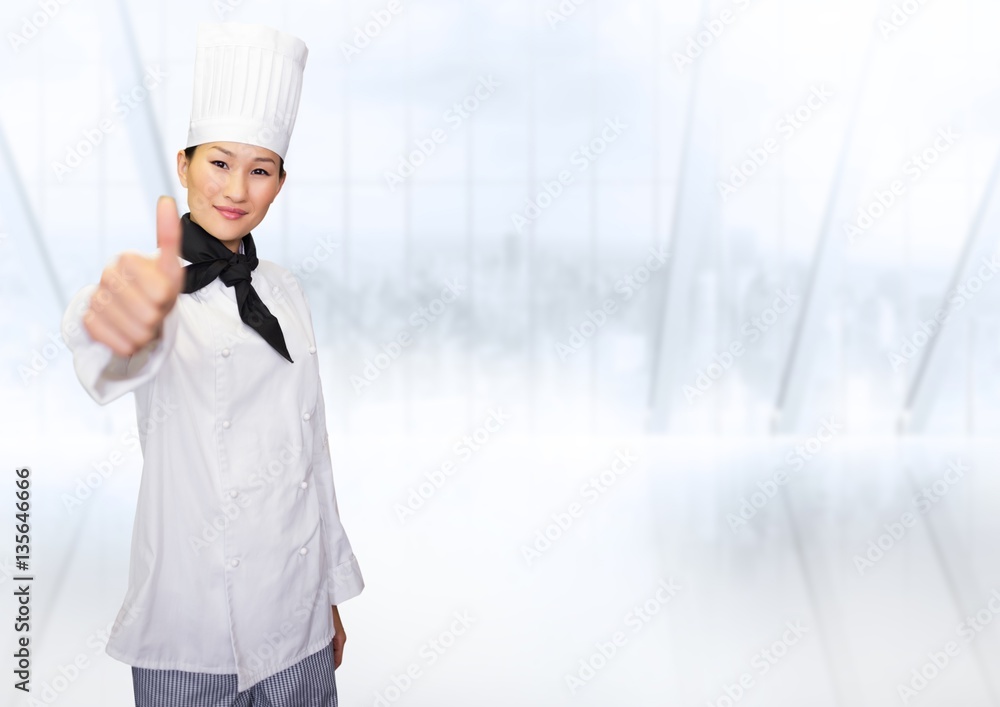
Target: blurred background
724,270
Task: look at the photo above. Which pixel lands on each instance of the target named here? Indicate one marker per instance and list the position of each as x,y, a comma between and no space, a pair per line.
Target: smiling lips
231,214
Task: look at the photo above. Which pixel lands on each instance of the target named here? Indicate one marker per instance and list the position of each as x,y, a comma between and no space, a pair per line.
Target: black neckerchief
210,259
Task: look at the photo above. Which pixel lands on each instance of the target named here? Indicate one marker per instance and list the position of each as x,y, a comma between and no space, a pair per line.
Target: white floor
529,622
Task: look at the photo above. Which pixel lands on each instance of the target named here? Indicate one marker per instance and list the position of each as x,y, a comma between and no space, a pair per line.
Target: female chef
238,558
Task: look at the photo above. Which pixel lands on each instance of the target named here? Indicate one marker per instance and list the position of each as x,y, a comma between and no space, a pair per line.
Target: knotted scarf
210,259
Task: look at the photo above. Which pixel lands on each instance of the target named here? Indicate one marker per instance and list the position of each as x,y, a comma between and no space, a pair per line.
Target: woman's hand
339,638
136,293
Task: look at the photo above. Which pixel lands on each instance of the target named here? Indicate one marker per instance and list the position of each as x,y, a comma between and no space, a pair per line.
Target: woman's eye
223,165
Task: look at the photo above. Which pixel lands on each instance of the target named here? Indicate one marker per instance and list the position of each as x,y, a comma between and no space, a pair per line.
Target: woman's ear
182,168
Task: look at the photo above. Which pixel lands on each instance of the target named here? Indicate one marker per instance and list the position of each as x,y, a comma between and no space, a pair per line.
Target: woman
239,559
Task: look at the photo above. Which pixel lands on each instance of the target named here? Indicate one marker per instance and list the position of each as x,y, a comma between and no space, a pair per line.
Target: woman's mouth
231,214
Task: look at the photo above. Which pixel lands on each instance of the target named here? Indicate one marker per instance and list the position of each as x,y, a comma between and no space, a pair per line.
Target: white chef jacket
238,551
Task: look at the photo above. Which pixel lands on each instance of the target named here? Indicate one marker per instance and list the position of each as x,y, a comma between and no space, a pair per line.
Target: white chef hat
247,83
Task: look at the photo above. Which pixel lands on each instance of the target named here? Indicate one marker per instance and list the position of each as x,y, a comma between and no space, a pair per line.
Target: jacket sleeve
104,374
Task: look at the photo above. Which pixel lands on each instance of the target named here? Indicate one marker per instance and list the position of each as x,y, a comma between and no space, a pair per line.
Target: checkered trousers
308,683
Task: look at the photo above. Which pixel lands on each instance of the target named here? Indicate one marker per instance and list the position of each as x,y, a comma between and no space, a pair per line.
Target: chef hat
247,83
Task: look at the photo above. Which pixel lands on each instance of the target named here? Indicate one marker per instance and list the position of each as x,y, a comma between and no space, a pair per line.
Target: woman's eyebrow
230,154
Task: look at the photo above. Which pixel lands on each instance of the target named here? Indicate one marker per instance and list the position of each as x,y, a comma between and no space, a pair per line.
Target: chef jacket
238,551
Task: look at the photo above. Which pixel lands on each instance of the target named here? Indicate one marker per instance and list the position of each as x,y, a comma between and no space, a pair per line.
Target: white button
225,352
305,416
233,493
303,551
225,424
312,349
275,289
304,484
234,562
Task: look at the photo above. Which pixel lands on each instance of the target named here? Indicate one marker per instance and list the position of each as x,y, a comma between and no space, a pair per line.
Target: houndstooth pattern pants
308,683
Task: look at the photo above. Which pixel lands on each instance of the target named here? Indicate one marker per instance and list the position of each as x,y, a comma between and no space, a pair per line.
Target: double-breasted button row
233,493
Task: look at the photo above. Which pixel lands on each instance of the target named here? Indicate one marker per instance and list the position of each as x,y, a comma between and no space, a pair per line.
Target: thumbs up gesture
136,293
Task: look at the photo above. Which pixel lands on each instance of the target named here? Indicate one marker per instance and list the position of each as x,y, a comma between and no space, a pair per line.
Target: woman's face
230,187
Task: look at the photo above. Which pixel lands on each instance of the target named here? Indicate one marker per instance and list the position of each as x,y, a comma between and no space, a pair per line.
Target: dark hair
189,153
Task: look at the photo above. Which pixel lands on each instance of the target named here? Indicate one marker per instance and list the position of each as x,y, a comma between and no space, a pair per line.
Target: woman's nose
236,187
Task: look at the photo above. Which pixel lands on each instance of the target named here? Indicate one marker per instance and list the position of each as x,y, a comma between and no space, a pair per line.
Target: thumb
168,237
